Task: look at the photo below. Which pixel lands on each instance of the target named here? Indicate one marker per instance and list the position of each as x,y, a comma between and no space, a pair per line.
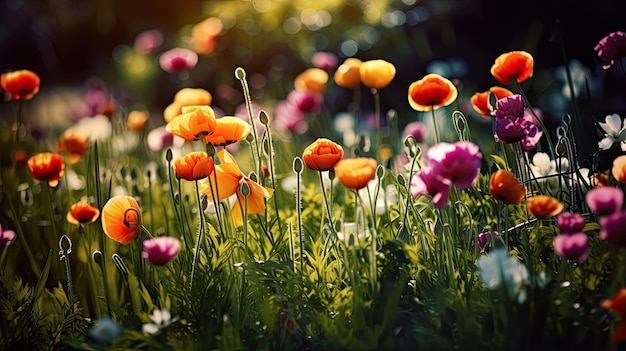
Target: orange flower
322,155
313,80
348,73
203,35
355,173
505,187
136,120
121,219
20,85
194,166
195,122
618,304
82,212
47,166
480,101
186,97
513,66
377,74
544,206
431,92
229,180
619,169
74,143
228,130
600,179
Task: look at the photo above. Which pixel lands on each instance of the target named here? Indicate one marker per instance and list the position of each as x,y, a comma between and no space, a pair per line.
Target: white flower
161,318
387,196
543,167
97,128
614,132
349,229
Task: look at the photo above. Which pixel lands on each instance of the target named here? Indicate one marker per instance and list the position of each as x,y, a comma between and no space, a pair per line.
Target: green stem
434,117
379,136
199,236
240,73
330,219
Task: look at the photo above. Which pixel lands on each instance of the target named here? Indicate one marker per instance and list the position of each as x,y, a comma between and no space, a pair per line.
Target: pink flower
160,250
288,117
6,237
484,238
509,106
570,222
611,48
605,200
514,123
572,246
459,162
177,60
148,41
427,182
613,228
417,129
306,101
324,60
159,138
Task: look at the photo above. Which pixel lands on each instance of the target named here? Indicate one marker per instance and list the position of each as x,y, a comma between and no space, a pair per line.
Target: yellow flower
195,122
377,74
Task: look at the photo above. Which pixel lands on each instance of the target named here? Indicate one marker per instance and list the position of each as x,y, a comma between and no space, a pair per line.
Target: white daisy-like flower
543,167
614,131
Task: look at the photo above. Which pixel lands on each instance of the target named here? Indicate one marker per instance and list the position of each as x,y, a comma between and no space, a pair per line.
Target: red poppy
82,212
618,304
355,173
74,143
194,166
480,101
20,85
431,92
505,187
47,166
513,66
322,155
121,218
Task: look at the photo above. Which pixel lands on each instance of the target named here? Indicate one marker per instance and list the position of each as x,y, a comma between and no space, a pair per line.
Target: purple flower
177,60
510,106
570,222
572,246
417,129
6,237
324,60
605,200
611,48
514,123
306,101
484,238
427,182
459,162
160,250
613,228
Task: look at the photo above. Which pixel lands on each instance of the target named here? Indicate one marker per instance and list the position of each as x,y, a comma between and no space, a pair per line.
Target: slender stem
199,236
241,75
330,219
379,136
432,111
543,127
49,198
299,215
272,171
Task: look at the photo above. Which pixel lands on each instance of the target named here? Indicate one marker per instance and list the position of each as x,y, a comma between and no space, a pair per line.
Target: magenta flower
605,200
417,129
611,48
459,162
177,60
6,237
148,41
613,228
160,250
572,246
324,60
484,238
159,138
427,182
306,101
510,106
287,116
570,222
514,123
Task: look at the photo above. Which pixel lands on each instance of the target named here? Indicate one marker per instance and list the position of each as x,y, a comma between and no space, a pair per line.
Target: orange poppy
195,122
513,66
313,80
348,73
136,120
74,143
431,92
47,166
203,35
480,101
229,180
82,212
186,97
617,304
20,85
228,130
544,206
505,187
619,169
322,155
121,218
194,166
355,173
377,74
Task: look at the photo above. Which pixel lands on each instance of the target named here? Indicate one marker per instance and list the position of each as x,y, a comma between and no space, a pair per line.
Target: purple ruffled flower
572,246
459,162
160,250
605,200
613,228
611,48
427,182
570,222
514,123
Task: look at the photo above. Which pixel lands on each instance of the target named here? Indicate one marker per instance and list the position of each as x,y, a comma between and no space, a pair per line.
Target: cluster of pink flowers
607,203
572,243
515,123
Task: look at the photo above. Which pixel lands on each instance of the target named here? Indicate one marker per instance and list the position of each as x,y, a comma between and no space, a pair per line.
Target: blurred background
80,46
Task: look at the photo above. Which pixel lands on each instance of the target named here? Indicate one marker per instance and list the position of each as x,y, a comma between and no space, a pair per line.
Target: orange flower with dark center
186,97
20,85
195,122
480,101
82,212
47,166
228,130
312,79
121,219
431,92
136,120
74,143
513,66
505,187
544,206
617,304
355,173
194,166
229,180
348,73
377,74
322,155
